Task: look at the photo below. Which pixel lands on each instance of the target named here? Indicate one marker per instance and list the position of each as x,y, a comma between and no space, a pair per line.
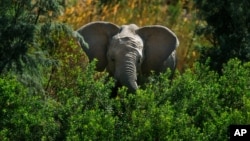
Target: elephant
128,51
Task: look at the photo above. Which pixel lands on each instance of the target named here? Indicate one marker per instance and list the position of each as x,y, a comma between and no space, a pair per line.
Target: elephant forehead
134,43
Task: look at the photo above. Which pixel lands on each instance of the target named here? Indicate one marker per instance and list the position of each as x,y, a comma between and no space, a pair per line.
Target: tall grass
179,16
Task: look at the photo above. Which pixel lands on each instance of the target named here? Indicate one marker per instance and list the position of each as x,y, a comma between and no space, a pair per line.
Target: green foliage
196,105
227,29
28,36
87,112
24,116
19,24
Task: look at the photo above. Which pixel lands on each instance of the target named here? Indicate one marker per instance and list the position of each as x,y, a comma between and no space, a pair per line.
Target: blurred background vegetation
48,91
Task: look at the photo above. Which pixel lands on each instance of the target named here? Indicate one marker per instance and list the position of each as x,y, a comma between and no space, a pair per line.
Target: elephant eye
120,30
113,59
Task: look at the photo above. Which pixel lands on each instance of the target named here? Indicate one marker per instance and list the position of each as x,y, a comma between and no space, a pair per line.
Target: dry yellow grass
142,12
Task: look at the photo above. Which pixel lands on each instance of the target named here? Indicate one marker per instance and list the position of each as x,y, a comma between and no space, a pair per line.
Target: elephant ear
97,35
159,43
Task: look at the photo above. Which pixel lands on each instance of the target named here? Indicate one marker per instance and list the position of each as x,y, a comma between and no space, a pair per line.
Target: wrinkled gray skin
128,50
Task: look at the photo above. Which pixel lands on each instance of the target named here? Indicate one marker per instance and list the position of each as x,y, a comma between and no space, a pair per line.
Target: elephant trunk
126,75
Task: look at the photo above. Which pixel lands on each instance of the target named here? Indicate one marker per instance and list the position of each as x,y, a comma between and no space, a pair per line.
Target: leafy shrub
197,105
192,107
87,113
25,116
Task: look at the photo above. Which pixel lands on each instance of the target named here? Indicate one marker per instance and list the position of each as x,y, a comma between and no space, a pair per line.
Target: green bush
25,116
87,113
197,105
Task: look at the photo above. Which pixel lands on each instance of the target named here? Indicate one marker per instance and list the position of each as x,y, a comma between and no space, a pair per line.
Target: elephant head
128,50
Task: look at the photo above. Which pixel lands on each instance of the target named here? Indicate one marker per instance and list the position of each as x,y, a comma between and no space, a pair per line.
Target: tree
28,35
22,23
227,29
